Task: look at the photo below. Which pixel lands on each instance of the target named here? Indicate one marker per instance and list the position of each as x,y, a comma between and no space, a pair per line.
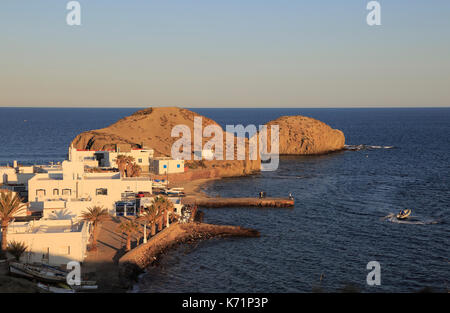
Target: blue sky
225,54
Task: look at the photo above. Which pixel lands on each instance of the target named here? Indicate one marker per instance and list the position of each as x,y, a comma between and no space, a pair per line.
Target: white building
142,157
6,174
54,242
18,175
205,154
63,209
108,158
102,189
87,157
162,166
16,178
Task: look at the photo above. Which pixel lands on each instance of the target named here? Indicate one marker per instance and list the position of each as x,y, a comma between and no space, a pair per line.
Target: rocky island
300,135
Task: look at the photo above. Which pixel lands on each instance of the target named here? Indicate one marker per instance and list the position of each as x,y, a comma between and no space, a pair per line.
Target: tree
129,227
125,164
10,204
17,248
129,166
166,207
96,215
150,216
134,170
121,163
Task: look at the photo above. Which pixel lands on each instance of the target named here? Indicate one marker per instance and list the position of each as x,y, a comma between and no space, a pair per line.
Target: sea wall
133,262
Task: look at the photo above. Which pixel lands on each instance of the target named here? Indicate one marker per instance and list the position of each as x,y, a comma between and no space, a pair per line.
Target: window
56,192
164,166
101,192
65,250
46,256
40,192
67,192
178,165
139,160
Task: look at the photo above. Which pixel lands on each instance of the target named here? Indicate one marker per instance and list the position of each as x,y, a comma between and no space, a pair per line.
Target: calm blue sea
343,202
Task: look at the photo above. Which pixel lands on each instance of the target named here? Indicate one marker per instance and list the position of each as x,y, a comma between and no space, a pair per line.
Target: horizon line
232,107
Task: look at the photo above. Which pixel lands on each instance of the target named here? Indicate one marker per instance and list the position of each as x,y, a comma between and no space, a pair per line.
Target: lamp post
167,175
145,233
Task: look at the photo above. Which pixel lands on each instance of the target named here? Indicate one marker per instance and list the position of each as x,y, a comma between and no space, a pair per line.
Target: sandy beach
193,188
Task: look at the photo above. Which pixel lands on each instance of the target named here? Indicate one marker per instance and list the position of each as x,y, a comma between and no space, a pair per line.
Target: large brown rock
300,135
152,127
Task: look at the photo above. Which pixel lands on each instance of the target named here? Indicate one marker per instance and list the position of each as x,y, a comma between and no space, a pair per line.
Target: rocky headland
152,128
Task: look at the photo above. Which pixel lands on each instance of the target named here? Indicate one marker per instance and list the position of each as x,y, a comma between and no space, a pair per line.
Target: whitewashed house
142,157
73,184
54,242
166,165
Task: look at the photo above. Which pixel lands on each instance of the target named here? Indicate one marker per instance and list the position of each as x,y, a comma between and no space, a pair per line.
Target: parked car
142,194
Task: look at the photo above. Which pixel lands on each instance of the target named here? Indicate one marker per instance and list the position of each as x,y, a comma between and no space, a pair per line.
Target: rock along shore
136,260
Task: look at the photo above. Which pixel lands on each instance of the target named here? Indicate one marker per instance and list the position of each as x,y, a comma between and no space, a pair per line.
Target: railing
136,178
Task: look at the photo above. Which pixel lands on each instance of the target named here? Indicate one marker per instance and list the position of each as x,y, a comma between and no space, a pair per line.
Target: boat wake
365,147
412,220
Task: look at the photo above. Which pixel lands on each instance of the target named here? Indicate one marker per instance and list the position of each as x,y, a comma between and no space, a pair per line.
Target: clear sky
225,53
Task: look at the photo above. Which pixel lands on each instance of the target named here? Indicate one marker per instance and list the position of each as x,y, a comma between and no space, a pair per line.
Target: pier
240,202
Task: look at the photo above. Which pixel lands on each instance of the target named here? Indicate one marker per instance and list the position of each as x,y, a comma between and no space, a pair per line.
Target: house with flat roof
142,157
74,184
165,165
108,158
54,242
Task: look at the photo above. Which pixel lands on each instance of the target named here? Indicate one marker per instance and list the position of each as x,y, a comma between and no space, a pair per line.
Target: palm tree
95,215
121,163
10,204
125,165
150,217
129,165
134,170
166,206
17,248
129,227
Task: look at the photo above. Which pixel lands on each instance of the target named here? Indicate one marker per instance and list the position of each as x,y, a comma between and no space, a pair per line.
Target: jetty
136,260
219,202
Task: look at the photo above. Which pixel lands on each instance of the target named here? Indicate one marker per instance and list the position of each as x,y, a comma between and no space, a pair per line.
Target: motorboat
61,288
38,272
403,214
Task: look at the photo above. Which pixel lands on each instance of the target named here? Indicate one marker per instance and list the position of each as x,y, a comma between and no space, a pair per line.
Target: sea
343,220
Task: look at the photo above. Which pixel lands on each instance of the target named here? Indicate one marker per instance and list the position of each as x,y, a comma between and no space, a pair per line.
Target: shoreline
110,255
117,271
134,263
193,188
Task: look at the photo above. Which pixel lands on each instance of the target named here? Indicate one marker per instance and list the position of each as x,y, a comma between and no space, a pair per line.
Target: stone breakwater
136,260
242,202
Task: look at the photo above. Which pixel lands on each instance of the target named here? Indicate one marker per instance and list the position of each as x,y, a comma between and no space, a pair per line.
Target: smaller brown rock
300,135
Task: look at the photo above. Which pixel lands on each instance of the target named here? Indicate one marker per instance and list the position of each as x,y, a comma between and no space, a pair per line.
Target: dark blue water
339,221
38,135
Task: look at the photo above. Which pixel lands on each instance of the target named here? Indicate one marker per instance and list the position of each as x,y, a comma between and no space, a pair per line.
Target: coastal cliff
300,135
